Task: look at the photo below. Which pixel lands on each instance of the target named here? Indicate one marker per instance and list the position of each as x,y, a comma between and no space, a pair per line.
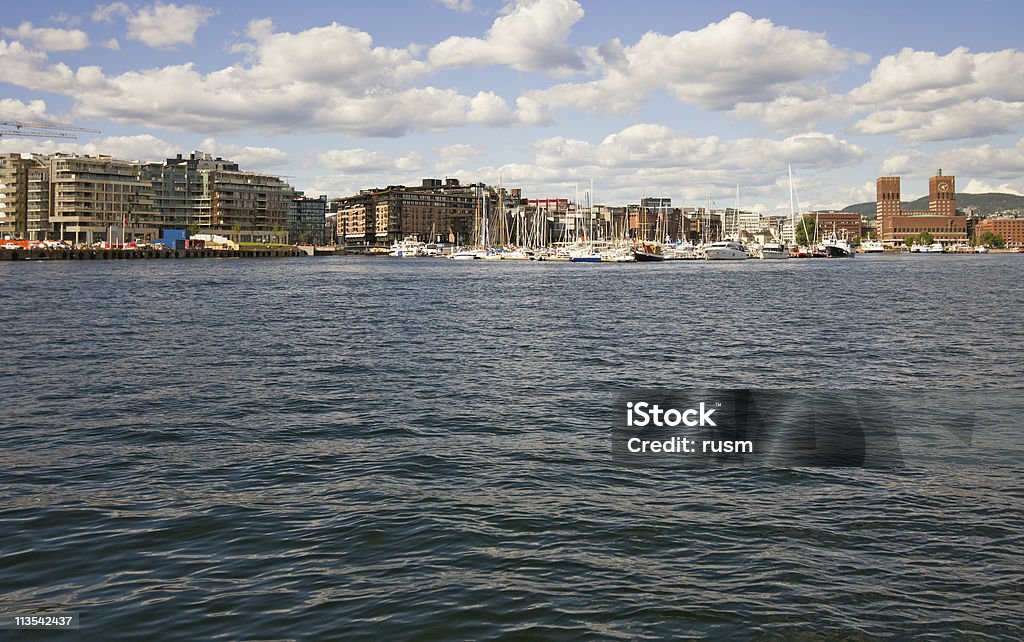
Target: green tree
911,240
237,229
991,239
805,230
925,238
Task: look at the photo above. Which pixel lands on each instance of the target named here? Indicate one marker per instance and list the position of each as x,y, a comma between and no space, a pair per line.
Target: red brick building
940,219
843,224
1011,229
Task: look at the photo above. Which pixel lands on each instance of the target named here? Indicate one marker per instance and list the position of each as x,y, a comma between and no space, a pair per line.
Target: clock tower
942,194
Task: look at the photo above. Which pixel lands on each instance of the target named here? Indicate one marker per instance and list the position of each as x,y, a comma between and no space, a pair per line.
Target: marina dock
67,254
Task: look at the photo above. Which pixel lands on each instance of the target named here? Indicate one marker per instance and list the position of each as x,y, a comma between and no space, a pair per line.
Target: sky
607,100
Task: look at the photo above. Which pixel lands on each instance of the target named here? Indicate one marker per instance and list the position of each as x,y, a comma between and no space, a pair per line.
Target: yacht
872,246
725,251
678,251
617,255
465,254
407,248
773,251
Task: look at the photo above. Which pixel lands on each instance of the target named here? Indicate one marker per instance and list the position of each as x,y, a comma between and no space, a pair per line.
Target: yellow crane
47,130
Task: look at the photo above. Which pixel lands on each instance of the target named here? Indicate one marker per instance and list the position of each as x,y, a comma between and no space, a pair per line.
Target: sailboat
585,253
644,250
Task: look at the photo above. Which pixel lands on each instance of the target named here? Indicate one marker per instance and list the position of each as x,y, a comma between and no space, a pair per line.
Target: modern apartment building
13,196
433,211
91,195
93,198
306,217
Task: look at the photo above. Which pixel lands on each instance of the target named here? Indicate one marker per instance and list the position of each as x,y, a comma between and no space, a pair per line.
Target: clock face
944,187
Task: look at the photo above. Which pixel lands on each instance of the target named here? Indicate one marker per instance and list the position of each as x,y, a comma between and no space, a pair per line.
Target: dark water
384,449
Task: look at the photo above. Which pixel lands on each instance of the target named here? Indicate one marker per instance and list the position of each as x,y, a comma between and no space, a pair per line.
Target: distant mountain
987,204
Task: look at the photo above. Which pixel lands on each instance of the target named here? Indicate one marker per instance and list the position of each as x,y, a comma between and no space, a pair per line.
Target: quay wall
39,254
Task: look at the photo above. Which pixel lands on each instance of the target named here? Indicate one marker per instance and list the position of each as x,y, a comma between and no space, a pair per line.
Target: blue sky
677,99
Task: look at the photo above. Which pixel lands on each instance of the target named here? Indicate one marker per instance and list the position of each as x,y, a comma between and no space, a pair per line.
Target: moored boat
773,251
647,252
872,246
725,251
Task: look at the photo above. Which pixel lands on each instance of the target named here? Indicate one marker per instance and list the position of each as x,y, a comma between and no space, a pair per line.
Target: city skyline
680,101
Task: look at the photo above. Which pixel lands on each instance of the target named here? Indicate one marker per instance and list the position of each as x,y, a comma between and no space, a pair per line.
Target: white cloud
801,109
142,147
461,6
364,161
530,36
905,162
737,60
25,68
331,54
33,111
165,26
975,186
968,119
923,96
247,157
64,18
450,157
107,12
921,77
985,162
112,44
50,39
656,146
328,78
661,161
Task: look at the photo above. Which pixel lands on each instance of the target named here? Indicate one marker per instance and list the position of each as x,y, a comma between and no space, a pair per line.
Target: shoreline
64,254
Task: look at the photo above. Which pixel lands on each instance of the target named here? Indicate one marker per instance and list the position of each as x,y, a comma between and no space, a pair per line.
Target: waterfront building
245,206
1010,228
306,217
181,189
92,195
434,211
13,193
89,198
940,219
842,224
38,200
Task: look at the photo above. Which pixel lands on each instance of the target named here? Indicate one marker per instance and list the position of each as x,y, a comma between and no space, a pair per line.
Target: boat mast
501,212
792,208
736,212
590,209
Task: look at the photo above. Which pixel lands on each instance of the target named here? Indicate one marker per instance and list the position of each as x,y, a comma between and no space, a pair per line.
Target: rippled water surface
375,448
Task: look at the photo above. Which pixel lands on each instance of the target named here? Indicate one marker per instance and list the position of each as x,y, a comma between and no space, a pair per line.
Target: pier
90,254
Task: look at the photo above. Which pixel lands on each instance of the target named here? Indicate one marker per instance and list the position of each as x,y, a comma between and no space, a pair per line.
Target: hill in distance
987,204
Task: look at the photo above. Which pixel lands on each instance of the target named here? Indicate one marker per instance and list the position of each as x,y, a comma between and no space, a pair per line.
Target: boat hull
647,257
724,254
835,252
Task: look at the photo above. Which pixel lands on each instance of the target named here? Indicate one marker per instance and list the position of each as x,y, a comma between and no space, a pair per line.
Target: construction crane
50,130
